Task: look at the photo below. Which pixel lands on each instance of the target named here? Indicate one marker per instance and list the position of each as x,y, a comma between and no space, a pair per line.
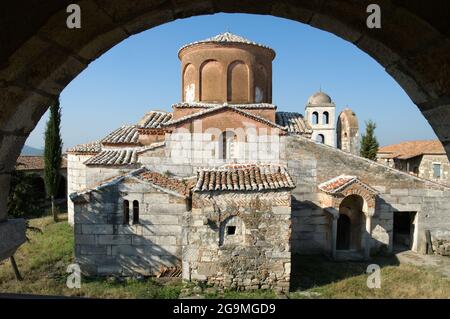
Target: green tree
369,143
26,197
52,155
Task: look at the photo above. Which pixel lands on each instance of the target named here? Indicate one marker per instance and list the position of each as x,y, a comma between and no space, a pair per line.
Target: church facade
226,187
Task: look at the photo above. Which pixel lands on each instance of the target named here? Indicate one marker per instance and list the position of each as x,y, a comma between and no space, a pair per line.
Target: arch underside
41,56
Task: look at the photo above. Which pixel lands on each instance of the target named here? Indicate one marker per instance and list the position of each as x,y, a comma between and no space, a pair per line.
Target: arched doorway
350,224
343,233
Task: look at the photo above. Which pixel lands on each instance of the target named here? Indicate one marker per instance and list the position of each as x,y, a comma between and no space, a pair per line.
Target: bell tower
320,112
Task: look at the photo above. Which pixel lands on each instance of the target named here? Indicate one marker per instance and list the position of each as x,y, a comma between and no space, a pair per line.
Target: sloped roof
87,148
29,162
293,122
182,187
179,187
126,134
412,149
220,108
212,105
154,119
337,184
114,157
224,38
243,178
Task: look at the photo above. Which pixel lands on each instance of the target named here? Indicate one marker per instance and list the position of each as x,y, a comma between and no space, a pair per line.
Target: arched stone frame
334,200
218,86
189,89
238,90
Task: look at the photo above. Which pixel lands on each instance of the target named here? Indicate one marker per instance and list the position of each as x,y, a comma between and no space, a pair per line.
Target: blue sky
143,73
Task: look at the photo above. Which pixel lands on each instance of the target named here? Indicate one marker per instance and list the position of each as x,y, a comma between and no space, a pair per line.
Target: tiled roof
179,186
243,178
335,185
127,134
112,157
154,119
212,105
293,122
88,148
411,149
150,147
170,185
226,37
219,108
25,163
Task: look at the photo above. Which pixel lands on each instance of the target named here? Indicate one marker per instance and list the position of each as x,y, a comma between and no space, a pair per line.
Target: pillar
334,235
368,234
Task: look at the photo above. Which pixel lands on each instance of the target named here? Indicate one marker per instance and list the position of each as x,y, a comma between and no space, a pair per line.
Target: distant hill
28,150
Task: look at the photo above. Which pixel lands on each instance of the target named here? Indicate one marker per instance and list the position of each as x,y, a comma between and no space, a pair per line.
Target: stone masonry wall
310,164
105,246
256,255
81,177
426,168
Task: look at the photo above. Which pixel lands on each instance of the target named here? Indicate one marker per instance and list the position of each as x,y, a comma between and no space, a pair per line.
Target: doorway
343,233
403,235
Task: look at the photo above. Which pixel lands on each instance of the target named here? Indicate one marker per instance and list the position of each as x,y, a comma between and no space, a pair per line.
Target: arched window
315,118
135,212
325,118
320,138
227,143
126,212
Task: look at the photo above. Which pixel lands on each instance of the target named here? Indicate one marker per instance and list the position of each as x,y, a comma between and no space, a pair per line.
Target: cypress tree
369,143
52,155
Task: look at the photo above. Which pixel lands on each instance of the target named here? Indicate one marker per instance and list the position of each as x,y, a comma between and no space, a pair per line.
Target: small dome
319,98
226,37
349,116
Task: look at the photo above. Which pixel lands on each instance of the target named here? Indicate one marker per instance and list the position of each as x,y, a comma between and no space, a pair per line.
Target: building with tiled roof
228,181
34,163
426,159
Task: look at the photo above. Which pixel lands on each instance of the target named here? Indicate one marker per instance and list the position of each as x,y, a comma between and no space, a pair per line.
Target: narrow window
126,212
320,138
135,212
437,170
325,118
315,118
224,145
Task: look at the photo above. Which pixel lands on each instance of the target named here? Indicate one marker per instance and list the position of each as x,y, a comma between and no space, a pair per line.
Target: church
226,187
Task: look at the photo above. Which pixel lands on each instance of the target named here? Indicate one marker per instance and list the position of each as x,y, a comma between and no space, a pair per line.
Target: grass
43,261
322,278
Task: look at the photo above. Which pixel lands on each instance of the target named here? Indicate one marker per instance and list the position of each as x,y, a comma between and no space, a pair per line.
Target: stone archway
40,55
350,224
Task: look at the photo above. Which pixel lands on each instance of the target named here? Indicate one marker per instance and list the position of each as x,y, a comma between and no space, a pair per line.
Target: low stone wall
239,240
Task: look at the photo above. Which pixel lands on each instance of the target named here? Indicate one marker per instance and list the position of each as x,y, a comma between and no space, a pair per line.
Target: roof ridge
219,107
226,37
